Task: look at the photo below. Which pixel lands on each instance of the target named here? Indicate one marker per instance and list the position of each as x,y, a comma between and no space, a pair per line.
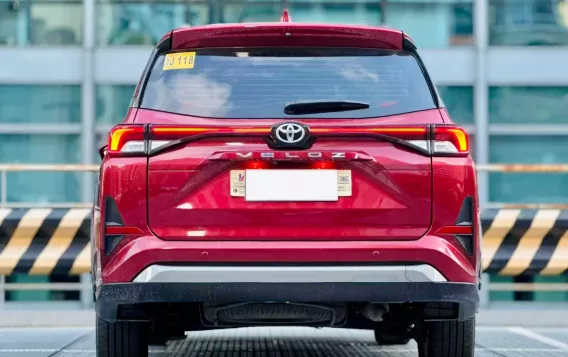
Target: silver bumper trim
289,274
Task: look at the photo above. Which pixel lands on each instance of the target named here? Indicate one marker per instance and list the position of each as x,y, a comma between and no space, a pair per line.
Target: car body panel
136,254
391,195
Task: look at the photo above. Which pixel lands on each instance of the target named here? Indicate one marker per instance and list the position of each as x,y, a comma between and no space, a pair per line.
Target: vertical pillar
2,291
86,294
88,99
383,12
88,125
481,112
23,22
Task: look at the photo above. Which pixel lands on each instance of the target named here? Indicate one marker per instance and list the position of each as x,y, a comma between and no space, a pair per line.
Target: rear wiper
299,108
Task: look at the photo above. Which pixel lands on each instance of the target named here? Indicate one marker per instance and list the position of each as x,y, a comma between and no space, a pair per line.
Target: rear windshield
260,83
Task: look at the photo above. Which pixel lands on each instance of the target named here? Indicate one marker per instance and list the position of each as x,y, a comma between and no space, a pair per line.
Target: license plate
291,185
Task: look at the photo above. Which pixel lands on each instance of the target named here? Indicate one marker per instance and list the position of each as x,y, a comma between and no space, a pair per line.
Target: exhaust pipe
375,312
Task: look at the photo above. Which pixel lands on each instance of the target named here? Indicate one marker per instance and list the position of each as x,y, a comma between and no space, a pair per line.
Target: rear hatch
226,161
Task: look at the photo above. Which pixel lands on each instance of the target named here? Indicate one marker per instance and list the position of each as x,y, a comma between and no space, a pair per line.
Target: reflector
457,230
122,230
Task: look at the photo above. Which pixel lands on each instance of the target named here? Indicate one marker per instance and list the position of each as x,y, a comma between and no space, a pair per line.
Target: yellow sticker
179,60
238,183
344,183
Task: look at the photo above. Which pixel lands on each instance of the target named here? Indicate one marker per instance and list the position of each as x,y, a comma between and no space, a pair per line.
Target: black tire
121,339
449,339
383,338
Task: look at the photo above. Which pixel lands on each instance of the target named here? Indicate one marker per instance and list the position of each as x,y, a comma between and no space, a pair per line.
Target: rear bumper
110,297
133,257
290,274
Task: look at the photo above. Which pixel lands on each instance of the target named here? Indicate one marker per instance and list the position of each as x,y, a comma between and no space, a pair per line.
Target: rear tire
121,339
398,336
448,339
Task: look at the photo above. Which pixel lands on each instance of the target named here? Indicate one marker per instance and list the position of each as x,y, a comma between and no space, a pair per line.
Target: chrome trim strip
289,274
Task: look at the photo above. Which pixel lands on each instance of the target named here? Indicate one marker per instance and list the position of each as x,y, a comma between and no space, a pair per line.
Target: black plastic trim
410,47
112,218
407,43
466,212
112,214
111,242
163,46
109,297
465,218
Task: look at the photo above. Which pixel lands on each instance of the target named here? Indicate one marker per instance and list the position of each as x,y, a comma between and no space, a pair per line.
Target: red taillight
160,132
456,230
126,139
396,131
257,165
444,141
323,165
450,140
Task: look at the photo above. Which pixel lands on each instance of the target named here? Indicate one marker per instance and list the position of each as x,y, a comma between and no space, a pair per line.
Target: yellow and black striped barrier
43,241
525,241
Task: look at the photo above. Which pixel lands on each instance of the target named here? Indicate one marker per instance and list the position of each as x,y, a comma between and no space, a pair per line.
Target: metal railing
84,286
6,168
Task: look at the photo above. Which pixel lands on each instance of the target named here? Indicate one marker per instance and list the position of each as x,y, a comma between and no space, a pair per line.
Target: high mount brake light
130,139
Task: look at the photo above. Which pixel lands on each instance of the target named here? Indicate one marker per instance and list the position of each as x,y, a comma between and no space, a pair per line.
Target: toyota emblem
290,133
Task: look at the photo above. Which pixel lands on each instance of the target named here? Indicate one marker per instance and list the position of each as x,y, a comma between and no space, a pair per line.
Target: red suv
281,173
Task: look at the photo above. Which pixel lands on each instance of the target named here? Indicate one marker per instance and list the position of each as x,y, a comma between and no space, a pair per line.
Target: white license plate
291,185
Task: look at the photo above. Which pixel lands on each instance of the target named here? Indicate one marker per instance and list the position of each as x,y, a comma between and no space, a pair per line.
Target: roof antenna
285,17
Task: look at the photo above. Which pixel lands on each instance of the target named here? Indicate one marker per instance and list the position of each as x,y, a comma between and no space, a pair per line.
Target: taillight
126,140
438,140
449,140
164,135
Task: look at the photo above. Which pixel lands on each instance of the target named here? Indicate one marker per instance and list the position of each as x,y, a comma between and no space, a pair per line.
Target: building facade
68,69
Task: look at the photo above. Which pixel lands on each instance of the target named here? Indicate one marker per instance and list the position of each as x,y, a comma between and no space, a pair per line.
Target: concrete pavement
282,342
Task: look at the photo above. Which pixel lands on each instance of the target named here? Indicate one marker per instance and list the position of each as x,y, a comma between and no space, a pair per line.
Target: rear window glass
259,83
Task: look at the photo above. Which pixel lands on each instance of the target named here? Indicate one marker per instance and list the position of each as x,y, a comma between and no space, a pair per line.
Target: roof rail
285,16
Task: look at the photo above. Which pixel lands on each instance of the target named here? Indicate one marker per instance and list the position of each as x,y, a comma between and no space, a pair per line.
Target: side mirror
103,151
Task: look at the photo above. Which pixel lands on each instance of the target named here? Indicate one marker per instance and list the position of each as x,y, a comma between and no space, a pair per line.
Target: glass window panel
356,12
528,105
529,187
40,104
528,23
41,187
550,295
459,103
144,23
262,83
48,22
449,23
27,295
501,295
248,11
113,103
